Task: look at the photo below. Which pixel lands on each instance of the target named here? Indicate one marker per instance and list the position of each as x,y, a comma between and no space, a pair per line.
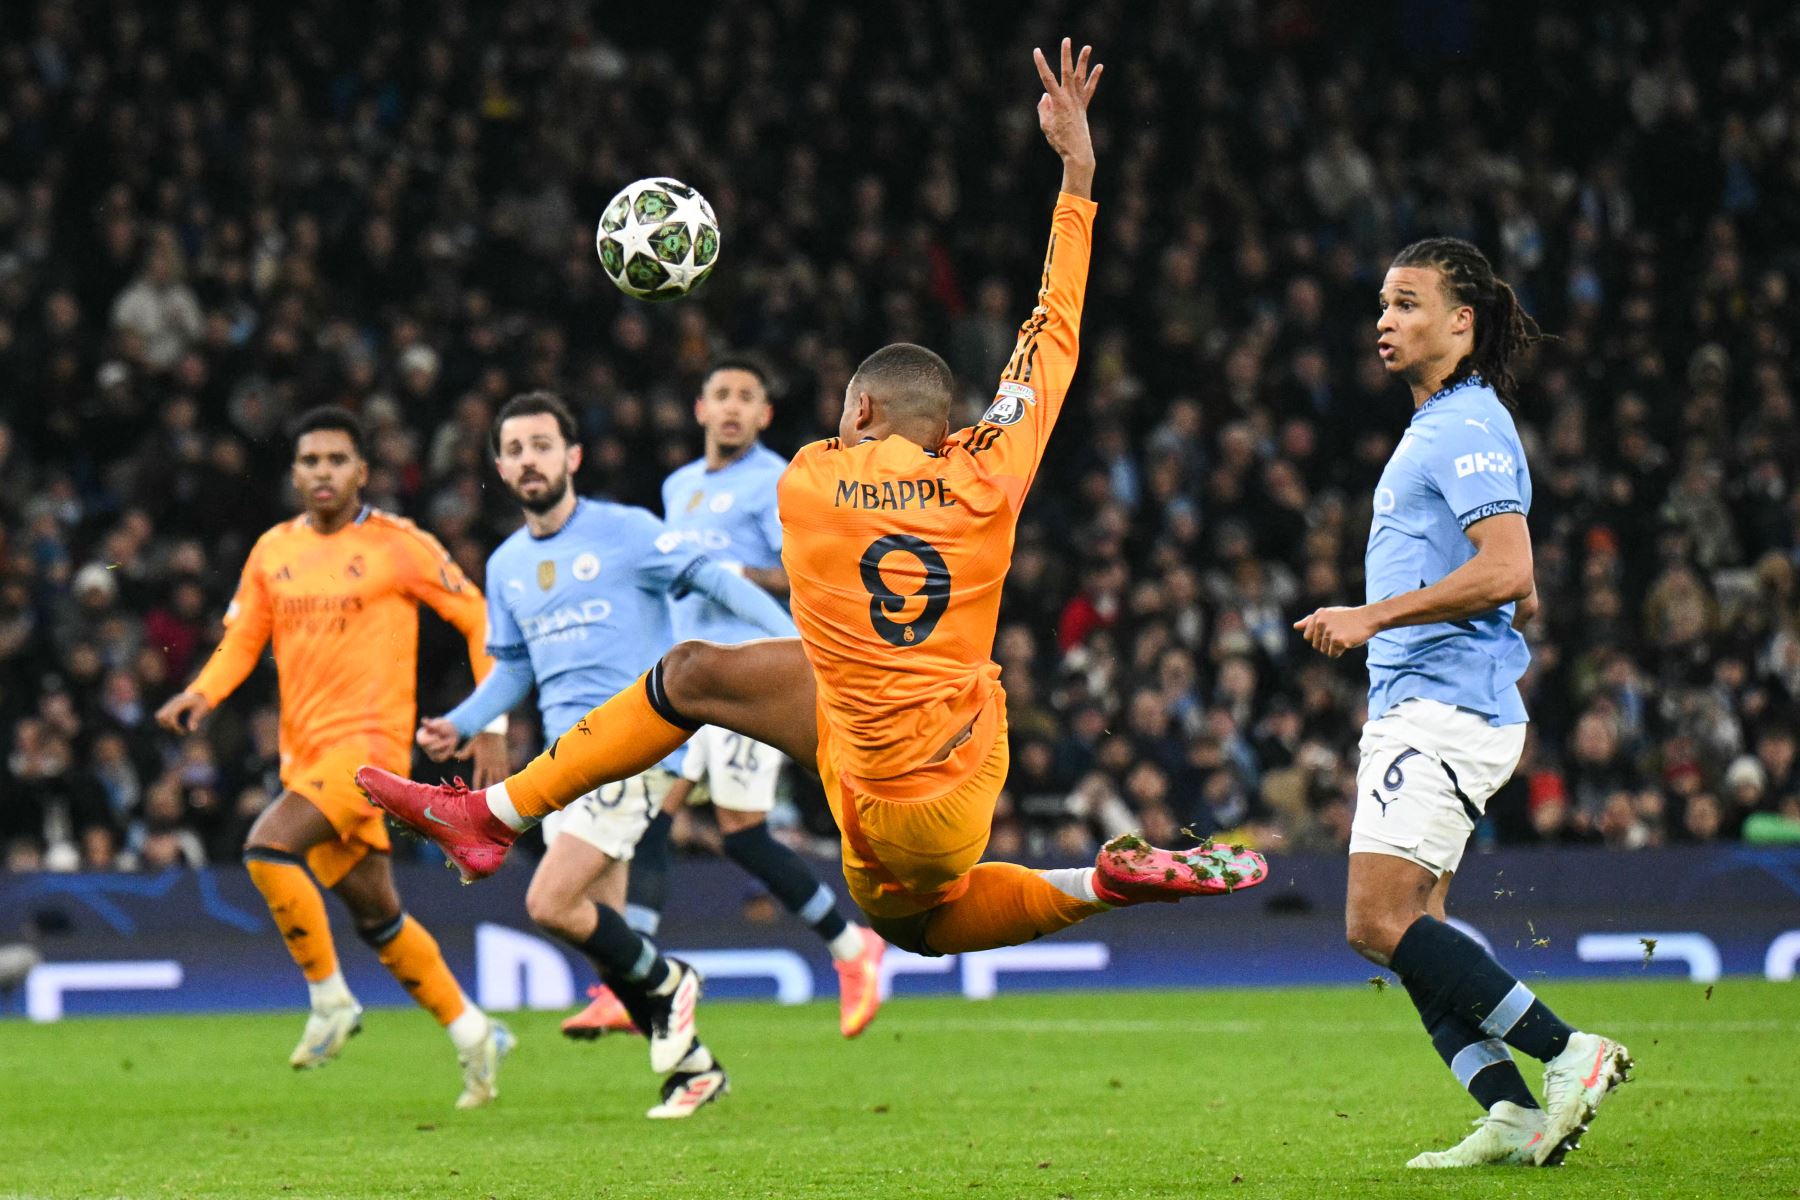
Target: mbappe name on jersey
893,494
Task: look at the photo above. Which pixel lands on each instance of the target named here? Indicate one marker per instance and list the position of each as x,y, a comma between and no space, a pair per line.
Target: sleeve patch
1491,509
1005,410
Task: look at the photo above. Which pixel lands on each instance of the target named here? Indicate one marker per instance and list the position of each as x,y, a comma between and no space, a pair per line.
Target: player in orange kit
897,536
337,590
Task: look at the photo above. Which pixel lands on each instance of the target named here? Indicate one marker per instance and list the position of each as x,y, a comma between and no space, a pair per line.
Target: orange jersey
342,611
896,556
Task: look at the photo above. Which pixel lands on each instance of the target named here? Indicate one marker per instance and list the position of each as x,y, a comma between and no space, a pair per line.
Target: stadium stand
213,216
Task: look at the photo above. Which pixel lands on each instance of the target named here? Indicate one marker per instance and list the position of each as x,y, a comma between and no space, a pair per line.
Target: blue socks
620,953
647,886
1454,982
787,877
1481,1064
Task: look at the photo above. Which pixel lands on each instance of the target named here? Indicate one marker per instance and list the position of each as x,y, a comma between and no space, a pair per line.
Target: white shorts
1427,772
612,817
741,774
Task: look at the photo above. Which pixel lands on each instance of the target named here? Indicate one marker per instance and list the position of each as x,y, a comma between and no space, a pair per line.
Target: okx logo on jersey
1493,462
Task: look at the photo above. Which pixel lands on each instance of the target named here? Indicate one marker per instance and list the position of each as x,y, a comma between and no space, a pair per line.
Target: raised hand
1062,113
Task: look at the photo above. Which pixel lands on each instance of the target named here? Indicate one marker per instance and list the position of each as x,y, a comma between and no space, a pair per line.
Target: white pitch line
893,1022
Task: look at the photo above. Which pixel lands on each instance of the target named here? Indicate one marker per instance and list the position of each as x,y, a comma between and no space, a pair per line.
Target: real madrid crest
547,574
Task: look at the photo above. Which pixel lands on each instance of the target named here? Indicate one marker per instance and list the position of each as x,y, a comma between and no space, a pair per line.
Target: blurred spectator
158,309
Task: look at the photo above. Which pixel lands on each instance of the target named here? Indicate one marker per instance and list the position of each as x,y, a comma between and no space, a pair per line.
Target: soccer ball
658,239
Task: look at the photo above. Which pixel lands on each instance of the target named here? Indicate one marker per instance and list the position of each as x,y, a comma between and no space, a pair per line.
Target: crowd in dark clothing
216,215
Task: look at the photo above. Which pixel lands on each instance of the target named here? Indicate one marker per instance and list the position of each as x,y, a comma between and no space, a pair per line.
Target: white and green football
658,239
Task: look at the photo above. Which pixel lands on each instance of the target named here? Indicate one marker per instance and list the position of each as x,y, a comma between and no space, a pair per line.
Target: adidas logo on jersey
1493,462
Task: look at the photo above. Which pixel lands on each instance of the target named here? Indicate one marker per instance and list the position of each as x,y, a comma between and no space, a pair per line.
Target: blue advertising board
186,941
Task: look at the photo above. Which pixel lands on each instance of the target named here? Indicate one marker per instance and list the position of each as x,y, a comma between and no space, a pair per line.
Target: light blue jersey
730,514
1460,461
584,612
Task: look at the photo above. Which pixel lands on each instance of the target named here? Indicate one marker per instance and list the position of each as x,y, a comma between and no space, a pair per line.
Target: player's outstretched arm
248,623
1011,436
1062,115
504,689
737,595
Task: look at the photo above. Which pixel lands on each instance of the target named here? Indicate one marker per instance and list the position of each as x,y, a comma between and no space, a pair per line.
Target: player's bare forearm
1078,179
1470,590
772,580
1500,573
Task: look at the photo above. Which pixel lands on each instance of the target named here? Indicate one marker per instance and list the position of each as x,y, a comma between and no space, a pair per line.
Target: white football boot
1508,1136
672,1019
684,1095
1575,1082
481,1066
327,1029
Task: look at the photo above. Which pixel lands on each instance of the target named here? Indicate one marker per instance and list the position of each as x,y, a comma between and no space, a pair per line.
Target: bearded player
337,591
578,606
896,540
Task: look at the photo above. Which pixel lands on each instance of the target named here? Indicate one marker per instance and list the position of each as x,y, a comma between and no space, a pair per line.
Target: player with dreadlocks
1449,580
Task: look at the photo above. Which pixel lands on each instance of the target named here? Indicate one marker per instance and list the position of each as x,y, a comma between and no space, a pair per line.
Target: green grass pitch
1083,1095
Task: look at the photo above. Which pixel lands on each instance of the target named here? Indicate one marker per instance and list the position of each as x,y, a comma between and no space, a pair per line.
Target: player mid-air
724,503
1449,579
897,538
578,604
337,591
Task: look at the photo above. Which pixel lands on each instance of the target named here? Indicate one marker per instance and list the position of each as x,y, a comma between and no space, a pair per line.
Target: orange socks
1004,905
403,946
625,735
412,955
298,909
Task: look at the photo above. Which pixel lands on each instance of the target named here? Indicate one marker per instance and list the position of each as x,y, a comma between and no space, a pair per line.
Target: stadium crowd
213,216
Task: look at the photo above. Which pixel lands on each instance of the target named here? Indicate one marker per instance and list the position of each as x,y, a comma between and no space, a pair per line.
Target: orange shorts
327,781
904,856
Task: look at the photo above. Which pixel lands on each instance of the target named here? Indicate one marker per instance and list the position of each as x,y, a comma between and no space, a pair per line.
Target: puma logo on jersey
893,494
